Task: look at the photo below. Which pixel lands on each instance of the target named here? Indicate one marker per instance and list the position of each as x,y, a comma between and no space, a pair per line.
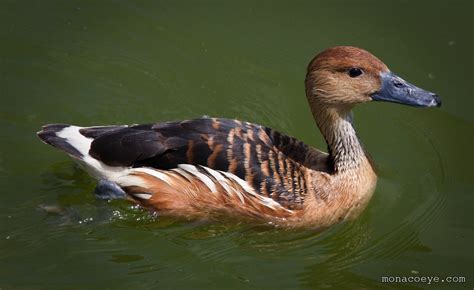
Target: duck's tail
66,138
76,142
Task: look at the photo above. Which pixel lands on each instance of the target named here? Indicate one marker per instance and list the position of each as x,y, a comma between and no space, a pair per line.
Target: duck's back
271,163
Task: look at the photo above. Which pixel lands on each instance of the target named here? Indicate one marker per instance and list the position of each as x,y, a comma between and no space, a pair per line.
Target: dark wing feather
94,132
127,145
273,163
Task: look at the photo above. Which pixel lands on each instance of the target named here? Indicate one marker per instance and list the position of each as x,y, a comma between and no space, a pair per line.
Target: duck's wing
298,151
273,164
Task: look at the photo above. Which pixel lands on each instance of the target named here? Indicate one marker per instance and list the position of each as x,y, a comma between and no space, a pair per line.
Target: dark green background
114,62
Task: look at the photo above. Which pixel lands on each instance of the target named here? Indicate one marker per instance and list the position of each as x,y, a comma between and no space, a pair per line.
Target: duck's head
343,76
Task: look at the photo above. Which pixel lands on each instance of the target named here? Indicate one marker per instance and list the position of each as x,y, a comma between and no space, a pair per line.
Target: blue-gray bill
397,90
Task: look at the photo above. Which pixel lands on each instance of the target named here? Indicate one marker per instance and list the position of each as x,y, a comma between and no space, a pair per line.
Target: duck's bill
397,90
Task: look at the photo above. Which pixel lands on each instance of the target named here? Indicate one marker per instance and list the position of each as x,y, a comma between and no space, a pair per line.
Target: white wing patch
76,139
95,167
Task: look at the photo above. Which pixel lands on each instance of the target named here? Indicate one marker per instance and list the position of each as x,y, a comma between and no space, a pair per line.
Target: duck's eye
354,72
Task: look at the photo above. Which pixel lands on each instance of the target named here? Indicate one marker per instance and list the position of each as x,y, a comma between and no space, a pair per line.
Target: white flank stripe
194,171
183,173
131,180
268,202
240,195
241,182
222,181
154,173
142,195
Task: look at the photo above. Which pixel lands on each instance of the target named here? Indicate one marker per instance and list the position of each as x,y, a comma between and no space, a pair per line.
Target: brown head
343,76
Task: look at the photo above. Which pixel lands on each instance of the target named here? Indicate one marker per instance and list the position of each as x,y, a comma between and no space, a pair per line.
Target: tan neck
345,149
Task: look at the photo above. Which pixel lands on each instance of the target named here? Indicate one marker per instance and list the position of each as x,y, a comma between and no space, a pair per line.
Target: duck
208,168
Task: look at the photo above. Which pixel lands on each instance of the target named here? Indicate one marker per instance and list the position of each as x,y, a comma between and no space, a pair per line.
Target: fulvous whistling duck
209,166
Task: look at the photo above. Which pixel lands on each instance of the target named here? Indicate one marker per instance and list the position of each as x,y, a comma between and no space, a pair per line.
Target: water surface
118,62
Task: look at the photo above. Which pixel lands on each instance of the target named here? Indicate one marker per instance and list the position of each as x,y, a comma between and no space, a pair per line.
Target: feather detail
169,166
194,191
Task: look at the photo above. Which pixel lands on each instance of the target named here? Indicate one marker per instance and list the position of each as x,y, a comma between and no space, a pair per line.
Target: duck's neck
345,150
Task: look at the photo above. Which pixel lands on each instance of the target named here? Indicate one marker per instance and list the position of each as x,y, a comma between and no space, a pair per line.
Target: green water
114,62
